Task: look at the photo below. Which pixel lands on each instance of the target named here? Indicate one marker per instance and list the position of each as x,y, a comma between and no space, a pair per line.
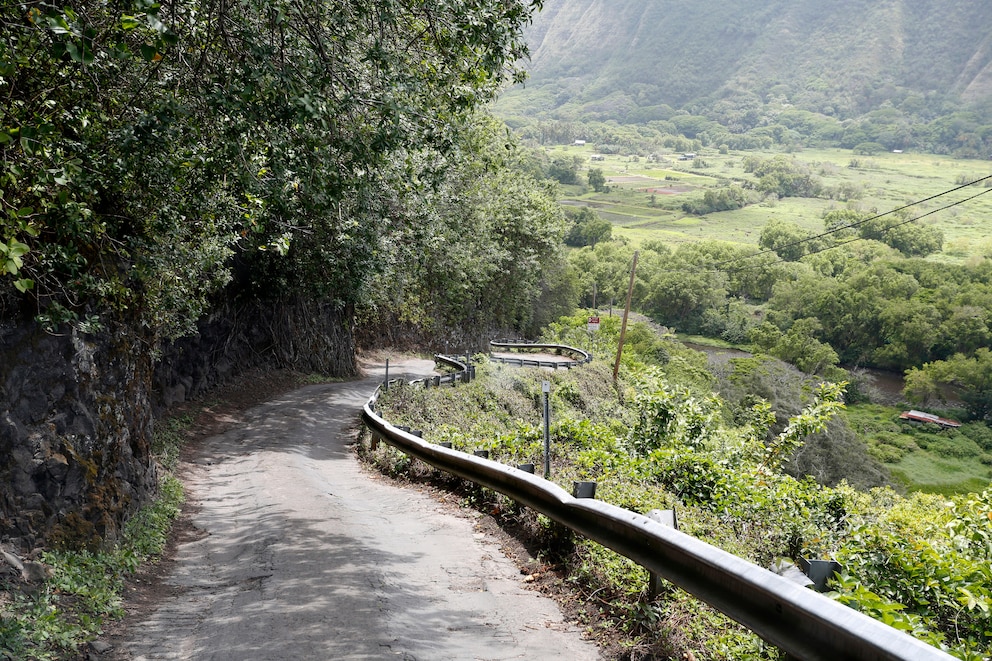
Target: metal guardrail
464,373
524,362
579,356
800,621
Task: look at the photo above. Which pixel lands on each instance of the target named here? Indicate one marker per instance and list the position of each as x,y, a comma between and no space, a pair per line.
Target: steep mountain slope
841,58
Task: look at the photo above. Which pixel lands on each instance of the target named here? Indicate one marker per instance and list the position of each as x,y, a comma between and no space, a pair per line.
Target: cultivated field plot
647,193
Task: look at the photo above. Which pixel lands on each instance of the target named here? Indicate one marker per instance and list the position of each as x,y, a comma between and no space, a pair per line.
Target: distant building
688,156
579,143
920,416
597,157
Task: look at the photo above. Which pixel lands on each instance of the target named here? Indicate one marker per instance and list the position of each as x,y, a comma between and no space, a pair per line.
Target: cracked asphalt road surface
304,555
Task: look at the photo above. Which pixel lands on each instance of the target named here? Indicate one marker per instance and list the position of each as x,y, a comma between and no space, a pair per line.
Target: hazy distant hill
637,60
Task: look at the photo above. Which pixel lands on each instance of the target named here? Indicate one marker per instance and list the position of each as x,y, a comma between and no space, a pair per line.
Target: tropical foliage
151,153
662,439
867,304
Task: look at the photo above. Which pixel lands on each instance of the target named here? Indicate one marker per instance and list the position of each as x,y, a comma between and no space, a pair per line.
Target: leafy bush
978,432
956,446
887,454
923,566
724,199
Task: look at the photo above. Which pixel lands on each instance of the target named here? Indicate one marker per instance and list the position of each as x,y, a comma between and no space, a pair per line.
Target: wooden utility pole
623,326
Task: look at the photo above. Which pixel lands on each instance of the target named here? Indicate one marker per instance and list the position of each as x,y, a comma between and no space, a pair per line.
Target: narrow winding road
304,555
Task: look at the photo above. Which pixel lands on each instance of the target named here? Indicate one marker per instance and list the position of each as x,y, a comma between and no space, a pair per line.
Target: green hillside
898,67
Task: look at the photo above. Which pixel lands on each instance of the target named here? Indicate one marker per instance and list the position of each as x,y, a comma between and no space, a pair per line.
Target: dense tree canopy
588,228
477,250
146,149
970,377
860,304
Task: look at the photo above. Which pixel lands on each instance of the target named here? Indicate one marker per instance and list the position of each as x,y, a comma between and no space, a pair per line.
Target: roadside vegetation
664,438
57,612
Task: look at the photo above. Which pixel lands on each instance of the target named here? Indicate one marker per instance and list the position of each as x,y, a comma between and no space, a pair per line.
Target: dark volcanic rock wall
300,335
76,409
74,433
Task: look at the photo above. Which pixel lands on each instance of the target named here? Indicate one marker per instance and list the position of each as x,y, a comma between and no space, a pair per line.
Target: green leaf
129,22
18,249
169,37
58,25
75,52
24,284
4,138
149,53
154,23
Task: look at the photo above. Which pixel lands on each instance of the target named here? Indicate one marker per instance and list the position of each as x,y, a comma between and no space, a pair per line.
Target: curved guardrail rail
580,357
464,372
800,621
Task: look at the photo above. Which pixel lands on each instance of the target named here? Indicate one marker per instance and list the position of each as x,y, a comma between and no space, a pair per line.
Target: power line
719,265
904,222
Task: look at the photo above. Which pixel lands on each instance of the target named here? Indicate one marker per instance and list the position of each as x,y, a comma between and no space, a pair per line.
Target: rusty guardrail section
800,621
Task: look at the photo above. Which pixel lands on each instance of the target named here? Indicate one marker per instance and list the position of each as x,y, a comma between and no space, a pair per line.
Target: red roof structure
920,416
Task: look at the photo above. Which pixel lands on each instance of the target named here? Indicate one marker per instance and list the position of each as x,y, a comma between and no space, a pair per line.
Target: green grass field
646,196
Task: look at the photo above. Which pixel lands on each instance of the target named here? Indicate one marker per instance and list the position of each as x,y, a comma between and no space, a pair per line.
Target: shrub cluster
661,439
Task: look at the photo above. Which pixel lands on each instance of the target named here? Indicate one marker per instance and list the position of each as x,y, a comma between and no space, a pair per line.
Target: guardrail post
665,518
445,444
527,468
819,571
385,385
546,389
583,489
482,453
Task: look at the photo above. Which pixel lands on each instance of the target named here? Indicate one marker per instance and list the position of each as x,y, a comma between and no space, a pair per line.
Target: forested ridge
904,74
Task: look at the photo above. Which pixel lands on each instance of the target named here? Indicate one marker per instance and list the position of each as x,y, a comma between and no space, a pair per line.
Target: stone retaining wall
76,409
75,429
